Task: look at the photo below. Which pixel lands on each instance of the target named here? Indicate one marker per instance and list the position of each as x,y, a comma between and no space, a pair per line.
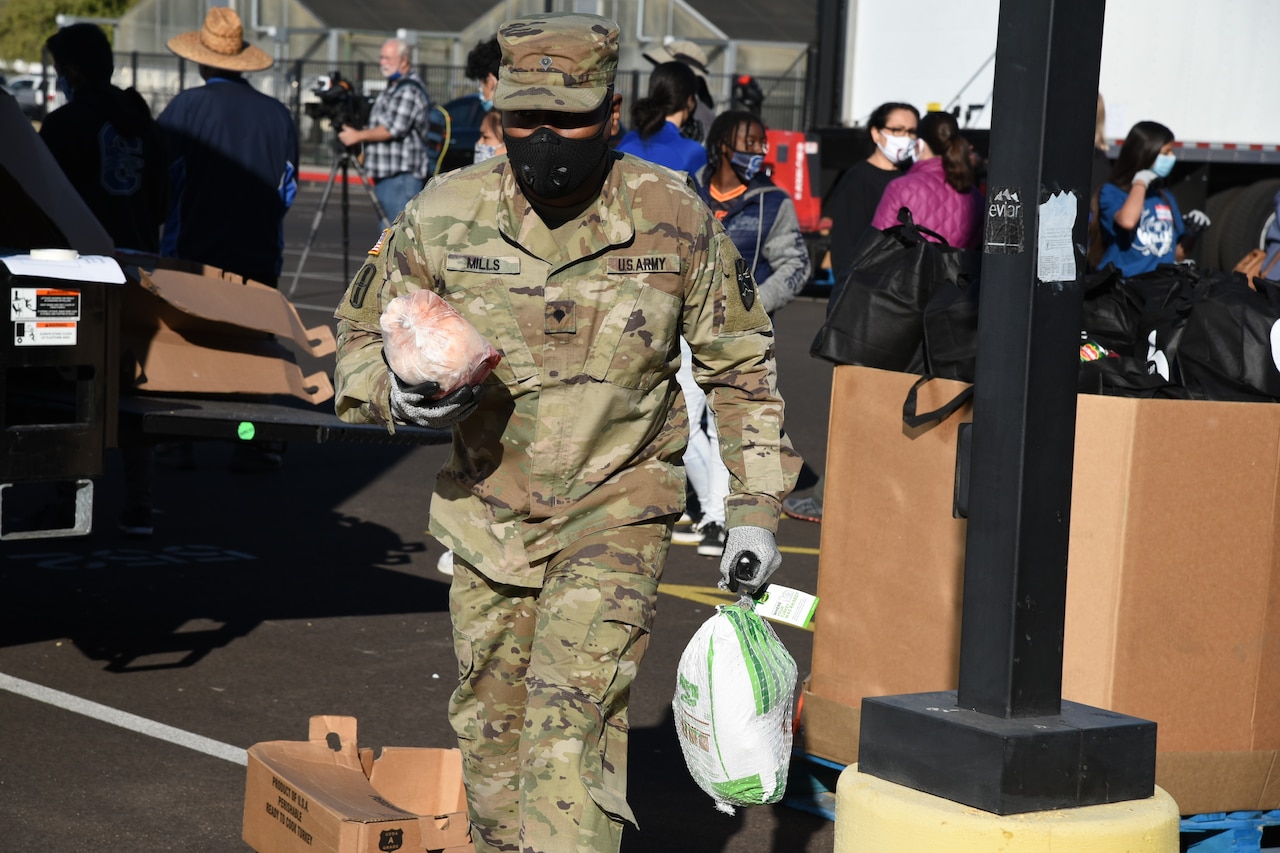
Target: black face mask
551,166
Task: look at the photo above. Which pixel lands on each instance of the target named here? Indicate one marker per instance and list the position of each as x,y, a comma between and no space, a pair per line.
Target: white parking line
123,719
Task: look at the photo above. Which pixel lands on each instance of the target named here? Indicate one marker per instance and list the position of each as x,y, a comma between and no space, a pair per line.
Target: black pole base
1082,756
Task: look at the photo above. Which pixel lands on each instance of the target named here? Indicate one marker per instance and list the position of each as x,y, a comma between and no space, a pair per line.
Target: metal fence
160,77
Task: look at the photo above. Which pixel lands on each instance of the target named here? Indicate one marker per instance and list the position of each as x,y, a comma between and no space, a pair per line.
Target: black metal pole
1005,741
1046,87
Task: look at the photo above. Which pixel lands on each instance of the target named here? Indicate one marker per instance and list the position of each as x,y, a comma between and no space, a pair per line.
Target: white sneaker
686,532
712,542
444,565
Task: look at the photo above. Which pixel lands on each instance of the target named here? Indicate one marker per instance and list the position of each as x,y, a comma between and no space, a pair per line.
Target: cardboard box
326,794
210,332
1173,594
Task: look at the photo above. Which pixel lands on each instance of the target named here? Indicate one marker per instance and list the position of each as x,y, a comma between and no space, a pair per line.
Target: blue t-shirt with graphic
1153,242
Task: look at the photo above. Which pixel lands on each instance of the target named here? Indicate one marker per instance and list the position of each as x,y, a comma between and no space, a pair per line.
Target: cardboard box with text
326,794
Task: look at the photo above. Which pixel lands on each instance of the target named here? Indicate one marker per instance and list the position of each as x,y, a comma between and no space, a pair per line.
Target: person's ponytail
648,117
942,134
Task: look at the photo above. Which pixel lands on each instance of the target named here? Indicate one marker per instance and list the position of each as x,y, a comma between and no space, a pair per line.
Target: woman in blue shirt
658,117
1138,223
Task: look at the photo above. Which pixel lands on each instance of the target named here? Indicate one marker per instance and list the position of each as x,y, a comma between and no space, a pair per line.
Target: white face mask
484,152
898,149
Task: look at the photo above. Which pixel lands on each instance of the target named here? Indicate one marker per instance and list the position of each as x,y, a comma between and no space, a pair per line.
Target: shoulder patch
359,305
743,311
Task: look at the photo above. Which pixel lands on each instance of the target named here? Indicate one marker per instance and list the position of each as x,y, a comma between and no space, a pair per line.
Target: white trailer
1209,71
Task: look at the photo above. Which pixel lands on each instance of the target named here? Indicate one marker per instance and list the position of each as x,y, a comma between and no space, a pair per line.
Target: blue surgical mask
394,76
746,164
1164,164
487,103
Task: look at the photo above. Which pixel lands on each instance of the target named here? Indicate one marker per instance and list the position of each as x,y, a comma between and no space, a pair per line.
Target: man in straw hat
234,152
583,267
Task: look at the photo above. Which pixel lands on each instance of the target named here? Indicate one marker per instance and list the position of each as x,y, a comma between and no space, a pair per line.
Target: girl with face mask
761,220
892,128
490,143
1136,224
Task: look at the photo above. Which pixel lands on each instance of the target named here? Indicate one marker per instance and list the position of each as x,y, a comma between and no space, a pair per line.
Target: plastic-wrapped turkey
426,340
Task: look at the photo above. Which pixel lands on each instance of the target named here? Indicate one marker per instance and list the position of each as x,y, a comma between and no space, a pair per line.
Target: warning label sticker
43,303
44,334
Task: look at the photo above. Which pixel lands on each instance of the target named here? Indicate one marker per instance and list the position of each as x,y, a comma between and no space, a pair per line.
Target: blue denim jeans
394,193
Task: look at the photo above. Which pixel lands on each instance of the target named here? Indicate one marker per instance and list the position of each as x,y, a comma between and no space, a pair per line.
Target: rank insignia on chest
746,285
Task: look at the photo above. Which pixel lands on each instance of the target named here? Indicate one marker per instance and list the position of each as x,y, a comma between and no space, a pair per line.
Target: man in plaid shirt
395,142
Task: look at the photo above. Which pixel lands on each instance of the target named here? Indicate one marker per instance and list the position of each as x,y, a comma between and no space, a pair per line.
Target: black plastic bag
951,322
877,319
1229,348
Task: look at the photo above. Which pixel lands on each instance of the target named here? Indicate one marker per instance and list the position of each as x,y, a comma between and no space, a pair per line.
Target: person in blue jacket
761,220
233,157
1139,223
758,214
658,117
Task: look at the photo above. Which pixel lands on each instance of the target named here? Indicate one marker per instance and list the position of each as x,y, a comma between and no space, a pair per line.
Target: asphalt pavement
134,672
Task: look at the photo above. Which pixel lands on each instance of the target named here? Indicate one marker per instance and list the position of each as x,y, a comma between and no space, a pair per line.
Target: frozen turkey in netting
426,340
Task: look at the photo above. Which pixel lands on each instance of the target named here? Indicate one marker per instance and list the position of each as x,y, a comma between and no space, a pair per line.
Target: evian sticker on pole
1004,227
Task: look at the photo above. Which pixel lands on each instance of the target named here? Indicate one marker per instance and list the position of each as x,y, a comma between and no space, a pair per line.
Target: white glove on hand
1144,177
1198,218
750,557
412,404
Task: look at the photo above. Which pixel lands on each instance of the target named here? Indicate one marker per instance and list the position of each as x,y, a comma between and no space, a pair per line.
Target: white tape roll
54,254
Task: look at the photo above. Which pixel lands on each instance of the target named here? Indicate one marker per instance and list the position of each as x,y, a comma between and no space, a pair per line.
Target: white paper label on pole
1057,258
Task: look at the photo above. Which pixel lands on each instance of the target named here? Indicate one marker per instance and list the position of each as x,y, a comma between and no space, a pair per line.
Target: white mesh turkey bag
733,705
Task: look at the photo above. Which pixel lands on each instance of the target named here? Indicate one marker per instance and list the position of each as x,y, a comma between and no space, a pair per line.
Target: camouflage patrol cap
563,62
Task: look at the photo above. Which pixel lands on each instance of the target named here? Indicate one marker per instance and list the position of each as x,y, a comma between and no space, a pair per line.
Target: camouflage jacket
581,427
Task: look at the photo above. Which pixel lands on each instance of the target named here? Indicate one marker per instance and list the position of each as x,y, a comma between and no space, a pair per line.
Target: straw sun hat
220,44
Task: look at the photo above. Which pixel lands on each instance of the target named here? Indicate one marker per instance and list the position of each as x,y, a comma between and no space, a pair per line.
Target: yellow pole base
875,816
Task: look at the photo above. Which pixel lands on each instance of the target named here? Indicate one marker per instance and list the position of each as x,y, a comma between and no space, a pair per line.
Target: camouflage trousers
544,679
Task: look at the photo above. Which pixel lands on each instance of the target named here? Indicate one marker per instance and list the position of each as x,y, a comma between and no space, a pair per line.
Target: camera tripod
342,160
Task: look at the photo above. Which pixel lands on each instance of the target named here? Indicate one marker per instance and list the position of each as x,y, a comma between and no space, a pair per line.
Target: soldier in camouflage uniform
583,267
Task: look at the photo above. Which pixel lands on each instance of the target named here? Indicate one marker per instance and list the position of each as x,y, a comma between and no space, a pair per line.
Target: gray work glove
1144,177
413,404
750,557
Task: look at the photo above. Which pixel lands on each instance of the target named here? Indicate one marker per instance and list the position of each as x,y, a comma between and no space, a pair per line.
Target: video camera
339,102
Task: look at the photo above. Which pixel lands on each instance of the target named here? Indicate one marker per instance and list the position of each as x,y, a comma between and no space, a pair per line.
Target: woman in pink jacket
939,189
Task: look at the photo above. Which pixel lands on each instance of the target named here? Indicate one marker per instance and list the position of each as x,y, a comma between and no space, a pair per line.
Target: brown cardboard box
210,332
1173,598
325,794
